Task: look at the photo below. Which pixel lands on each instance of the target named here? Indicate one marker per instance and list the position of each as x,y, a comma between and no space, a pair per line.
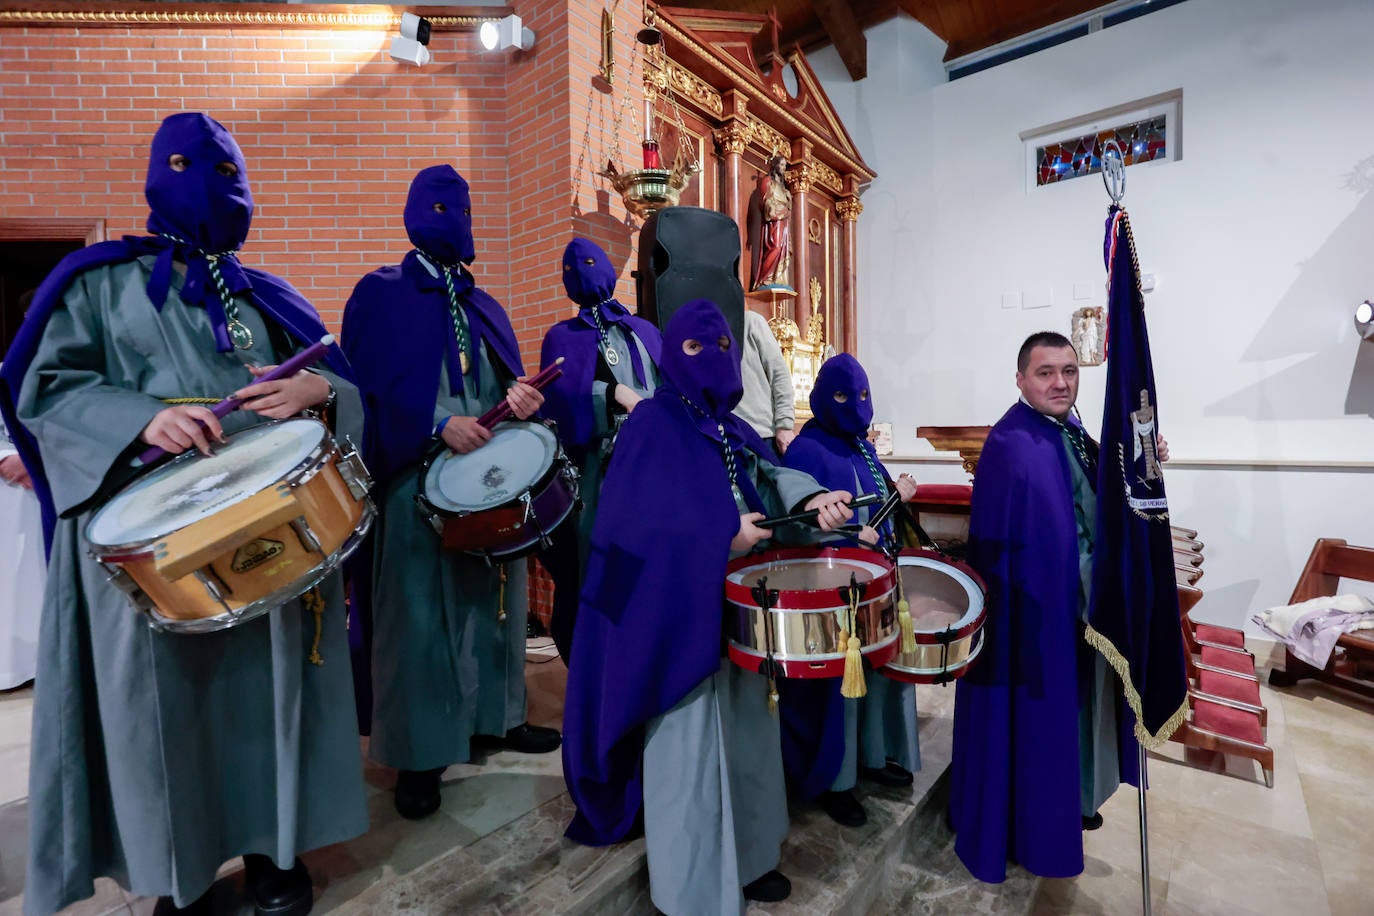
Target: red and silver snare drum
947,612
808,605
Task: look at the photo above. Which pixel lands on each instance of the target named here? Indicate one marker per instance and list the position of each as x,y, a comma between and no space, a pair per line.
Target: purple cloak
273,297
397,332
1014,791
649,623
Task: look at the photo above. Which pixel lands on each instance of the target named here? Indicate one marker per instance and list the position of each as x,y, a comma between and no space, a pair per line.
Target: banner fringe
1123,671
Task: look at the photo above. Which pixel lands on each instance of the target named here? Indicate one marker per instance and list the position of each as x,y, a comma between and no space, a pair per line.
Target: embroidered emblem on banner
1143,476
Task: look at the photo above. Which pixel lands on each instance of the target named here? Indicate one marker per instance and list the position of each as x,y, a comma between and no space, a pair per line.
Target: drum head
518,455
940,595
193,486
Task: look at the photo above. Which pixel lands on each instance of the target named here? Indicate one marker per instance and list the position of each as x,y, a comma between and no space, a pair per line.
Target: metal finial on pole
1114,171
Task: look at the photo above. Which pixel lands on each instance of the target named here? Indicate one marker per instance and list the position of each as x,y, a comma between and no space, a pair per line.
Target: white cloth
23,575
1280,620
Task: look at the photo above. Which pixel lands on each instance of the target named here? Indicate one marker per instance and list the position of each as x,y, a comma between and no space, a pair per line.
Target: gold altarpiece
727,75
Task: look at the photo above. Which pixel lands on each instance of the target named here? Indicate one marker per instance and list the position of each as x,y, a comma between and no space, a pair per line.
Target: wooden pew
1352,663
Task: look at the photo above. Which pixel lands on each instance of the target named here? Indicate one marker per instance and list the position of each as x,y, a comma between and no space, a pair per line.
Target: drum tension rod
944,638
766,598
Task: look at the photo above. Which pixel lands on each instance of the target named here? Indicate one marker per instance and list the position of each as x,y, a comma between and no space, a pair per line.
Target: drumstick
538,382
889,506
809,515
307,357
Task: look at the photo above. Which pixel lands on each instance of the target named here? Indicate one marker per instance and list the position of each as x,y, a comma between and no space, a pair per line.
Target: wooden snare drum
947,612
808,607
205,543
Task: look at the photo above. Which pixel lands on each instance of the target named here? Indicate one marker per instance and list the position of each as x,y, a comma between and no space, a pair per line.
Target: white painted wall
1262,237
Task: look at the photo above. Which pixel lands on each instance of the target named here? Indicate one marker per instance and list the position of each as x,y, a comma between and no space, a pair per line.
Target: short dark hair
1039,339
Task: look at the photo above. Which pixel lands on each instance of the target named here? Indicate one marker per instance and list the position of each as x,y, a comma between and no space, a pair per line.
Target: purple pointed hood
709,380
438,216
842,375
202,200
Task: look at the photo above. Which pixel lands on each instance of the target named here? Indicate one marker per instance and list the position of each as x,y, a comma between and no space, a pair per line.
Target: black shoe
198,907
275,892
889,775
843,808
532,739
1093,822
417,793
770,888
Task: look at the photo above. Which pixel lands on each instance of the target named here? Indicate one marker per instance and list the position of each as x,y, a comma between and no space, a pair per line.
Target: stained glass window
1075,157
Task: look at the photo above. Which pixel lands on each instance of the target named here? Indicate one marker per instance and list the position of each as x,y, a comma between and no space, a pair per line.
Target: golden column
848,210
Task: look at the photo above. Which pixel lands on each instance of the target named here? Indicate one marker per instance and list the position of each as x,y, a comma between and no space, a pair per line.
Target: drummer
610,365
433,352
157,757
660,732
830,742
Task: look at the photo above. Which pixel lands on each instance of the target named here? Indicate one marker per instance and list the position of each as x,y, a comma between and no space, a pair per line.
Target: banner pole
1144,839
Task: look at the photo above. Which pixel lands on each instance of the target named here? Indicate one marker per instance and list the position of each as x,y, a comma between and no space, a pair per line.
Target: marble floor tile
1248,865
1102,890
1345,871
108,900
16,709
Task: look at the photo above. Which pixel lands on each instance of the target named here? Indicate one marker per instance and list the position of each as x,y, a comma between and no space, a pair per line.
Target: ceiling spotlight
410,46
507,33
1364,320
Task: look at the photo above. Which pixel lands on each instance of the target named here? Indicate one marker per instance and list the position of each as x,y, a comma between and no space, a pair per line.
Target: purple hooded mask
202,201
842,374
438,216
588,275
710,380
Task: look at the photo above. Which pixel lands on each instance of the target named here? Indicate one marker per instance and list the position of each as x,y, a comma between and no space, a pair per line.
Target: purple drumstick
307,357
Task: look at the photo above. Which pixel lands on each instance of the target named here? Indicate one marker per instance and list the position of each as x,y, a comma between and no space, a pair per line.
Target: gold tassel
904,618
853,685
501,597
772,696
314,603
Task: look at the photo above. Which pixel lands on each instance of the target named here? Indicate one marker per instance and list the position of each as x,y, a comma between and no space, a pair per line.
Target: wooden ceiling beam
1005,29
837,16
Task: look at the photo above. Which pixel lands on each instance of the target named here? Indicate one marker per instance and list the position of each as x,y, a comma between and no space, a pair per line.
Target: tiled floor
1220,842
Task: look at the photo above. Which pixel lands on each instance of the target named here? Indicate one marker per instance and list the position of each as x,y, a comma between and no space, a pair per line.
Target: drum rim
816,599
955,672
967,625
143,548
438,454
866,649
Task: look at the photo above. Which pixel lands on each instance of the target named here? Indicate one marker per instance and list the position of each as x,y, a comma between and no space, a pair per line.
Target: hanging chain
239,334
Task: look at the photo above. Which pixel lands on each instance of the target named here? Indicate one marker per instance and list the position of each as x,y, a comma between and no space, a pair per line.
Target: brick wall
333,131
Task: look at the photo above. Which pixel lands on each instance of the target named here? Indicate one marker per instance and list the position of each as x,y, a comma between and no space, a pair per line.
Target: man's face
1050,382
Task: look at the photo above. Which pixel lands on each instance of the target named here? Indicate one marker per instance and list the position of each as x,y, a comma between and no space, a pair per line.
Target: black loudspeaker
688,253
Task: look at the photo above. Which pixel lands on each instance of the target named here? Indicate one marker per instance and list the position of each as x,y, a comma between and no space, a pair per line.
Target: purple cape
568,400
1134,595
649,624
273,297
397,332
1014,789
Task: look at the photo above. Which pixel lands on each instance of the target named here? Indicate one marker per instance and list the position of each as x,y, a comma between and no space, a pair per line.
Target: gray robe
444,668
715,798
1098,767
156,757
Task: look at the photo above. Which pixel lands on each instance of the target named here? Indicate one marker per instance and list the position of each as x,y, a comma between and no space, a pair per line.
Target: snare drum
801,628
502,500
203,543
946,603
